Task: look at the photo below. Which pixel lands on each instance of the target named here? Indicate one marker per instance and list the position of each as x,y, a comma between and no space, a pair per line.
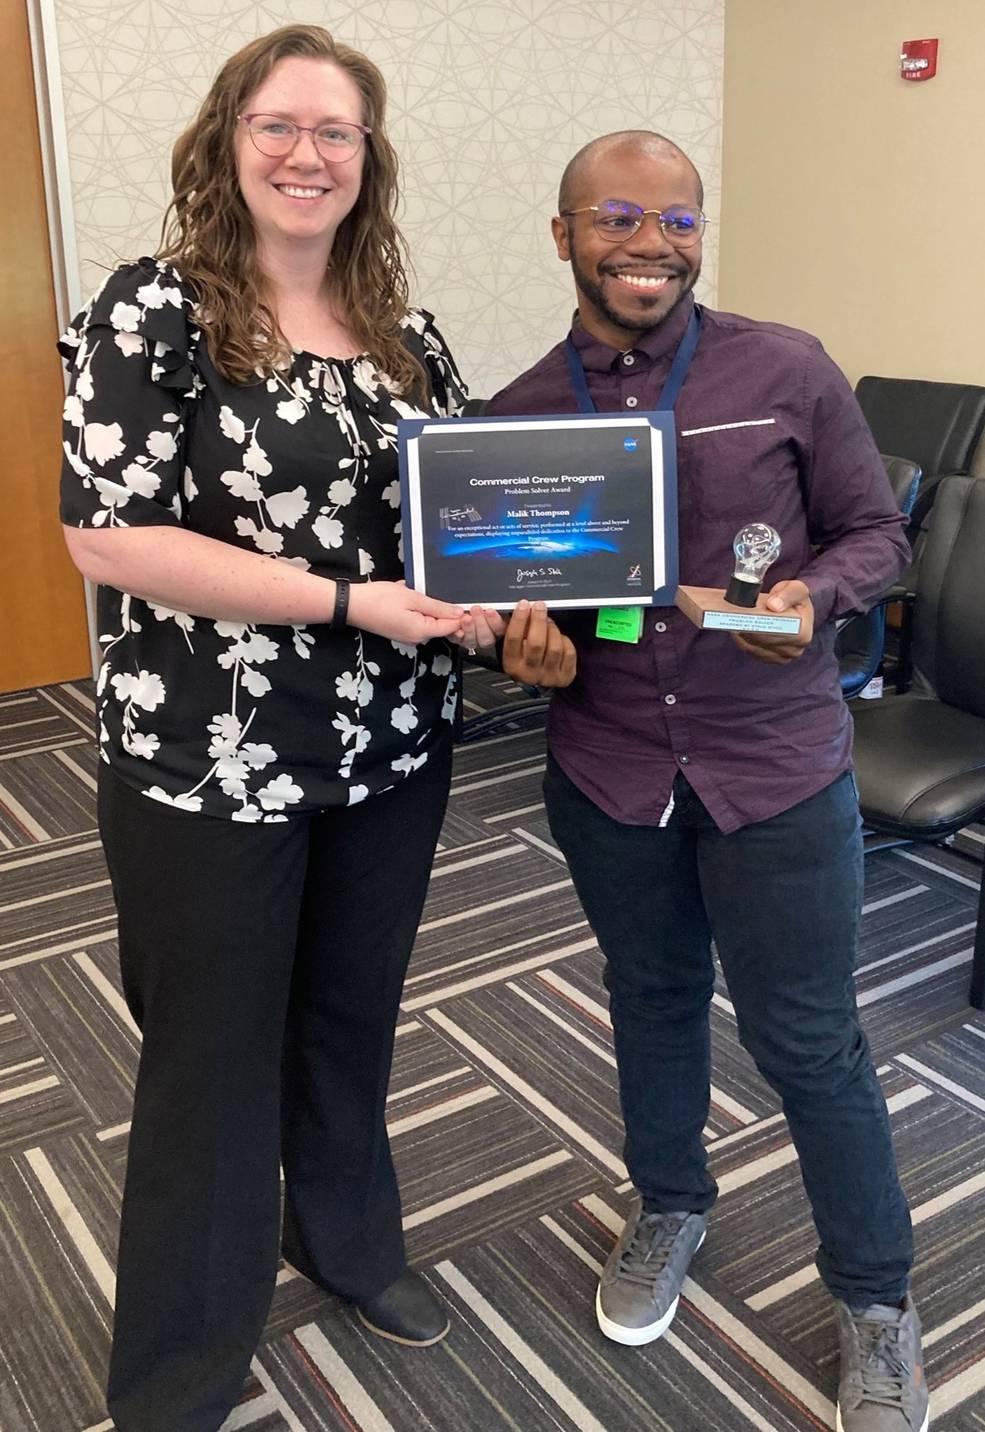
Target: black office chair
920,757
936,425
940,426
861,639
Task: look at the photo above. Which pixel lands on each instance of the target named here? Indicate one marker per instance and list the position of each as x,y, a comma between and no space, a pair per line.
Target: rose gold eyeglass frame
326,152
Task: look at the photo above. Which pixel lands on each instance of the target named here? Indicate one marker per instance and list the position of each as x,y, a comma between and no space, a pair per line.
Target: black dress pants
264,965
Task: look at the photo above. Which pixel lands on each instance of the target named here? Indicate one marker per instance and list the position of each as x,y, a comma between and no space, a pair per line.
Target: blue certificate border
409,429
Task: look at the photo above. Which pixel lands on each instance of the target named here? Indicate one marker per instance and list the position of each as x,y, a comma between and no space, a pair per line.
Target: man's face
627,287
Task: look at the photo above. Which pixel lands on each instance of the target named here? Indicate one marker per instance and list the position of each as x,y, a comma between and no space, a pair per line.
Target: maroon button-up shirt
768,430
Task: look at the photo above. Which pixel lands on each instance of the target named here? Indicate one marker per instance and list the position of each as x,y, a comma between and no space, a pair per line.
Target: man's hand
535,649
777,647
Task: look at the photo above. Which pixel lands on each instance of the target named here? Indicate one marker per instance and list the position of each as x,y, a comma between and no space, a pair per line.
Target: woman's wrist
340,610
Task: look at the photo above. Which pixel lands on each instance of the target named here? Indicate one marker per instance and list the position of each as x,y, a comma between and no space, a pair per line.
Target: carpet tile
504,1119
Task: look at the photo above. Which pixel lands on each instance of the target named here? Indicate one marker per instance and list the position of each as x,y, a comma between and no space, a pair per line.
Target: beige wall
853,201
488,100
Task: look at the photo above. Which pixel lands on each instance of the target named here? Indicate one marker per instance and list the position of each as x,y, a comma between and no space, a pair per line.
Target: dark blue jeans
781,900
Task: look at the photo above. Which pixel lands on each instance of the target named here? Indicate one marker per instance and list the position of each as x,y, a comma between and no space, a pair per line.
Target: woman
275,741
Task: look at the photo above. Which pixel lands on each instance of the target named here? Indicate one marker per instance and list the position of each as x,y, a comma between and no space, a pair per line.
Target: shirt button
671,700
659,626
683,760
628,359
631,401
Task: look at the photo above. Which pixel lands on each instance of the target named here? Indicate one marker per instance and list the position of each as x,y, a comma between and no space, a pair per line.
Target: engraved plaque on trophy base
708,609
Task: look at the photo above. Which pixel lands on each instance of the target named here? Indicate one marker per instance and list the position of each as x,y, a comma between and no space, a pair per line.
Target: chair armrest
907,600
896,594
902,592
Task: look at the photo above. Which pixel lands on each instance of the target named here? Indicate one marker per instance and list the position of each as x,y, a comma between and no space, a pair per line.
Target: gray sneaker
882,1386
641,1281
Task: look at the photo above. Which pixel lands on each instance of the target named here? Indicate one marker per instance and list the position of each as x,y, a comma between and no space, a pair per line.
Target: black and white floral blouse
233,719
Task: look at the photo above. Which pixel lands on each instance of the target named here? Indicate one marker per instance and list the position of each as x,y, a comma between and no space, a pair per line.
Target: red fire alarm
918,59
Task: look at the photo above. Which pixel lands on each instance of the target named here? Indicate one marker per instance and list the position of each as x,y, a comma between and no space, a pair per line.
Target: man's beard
632,323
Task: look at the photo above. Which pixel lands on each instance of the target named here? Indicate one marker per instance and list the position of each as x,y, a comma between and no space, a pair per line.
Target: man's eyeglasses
617,219
336,139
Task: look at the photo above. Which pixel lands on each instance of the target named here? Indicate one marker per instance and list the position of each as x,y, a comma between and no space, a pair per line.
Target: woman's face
301,197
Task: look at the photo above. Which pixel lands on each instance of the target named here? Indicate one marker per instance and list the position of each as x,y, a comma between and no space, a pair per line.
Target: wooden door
43,636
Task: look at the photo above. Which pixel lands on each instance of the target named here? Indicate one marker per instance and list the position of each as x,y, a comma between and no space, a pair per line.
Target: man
699,783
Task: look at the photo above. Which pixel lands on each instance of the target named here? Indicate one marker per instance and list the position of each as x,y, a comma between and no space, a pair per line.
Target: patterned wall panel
489,98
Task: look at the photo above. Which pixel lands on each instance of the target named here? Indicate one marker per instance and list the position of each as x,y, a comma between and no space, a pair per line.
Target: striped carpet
506,1133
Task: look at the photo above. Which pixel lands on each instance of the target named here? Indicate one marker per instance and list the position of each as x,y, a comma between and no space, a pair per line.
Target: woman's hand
483,628
395,610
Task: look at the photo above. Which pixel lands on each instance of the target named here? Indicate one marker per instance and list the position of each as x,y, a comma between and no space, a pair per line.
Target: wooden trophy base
708,609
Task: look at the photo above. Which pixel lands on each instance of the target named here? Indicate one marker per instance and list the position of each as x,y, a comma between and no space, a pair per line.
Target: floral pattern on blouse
247,721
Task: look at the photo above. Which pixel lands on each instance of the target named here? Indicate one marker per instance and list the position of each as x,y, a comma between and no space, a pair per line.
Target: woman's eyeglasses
336,140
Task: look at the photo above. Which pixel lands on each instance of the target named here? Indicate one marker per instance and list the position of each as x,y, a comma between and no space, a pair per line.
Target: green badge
620,623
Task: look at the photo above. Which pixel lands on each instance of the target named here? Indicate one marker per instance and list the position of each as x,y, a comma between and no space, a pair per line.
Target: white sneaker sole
841,1426
634,1337
639,1337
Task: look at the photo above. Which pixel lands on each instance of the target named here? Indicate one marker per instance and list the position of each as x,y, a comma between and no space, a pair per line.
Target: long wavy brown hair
209,236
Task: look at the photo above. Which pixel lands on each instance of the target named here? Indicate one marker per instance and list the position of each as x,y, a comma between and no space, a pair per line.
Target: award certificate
574,511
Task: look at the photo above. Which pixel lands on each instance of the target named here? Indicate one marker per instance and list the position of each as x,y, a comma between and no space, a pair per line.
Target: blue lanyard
675,378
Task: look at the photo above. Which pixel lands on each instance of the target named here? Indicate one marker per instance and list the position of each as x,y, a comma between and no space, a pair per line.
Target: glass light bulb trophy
756,547
741,605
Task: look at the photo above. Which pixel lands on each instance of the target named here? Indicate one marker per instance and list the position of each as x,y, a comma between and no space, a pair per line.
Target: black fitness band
341,612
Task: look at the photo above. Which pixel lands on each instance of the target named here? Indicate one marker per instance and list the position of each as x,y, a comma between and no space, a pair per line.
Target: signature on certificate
524,573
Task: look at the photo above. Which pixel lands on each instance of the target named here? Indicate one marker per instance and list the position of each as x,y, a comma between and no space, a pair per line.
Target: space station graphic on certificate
576,511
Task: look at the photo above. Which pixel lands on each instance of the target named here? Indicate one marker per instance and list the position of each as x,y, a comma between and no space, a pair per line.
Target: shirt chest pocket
739,472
